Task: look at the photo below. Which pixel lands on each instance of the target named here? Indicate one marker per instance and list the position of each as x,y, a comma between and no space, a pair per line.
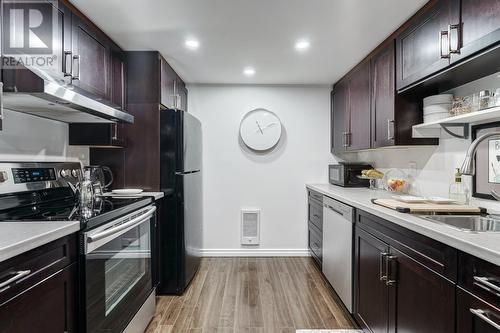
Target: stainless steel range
116,290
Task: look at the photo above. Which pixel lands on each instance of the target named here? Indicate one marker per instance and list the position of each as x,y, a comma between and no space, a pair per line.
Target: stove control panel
28,175
33,176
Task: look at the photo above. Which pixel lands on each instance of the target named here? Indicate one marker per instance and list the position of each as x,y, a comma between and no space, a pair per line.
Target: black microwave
347,174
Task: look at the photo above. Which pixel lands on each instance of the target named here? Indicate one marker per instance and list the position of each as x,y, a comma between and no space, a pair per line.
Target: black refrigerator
180,231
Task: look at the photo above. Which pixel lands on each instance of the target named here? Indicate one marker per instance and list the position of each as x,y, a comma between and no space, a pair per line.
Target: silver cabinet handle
67,72
108,232
77,76
1,106
441,49
389,135
17,276
344,139
388,271
114,127
484,283
481,315
383,255
455,27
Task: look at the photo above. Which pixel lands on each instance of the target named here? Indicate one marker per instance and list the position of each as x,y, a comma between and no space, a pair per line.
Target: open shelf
457,126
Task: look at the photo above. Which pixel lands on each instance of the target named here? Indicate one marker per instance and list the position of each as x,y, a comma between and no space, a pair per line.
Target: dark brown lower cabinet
420,299
394,290
474,315
39,292
49,306
371,297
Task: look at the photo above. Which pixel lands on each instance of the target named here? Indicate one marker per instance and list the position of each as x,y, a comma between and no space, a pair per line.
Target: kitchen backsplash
29,138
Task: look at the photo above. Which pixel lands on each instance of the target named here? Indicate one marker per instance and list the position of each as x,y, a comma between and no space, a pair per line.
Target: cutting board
428,208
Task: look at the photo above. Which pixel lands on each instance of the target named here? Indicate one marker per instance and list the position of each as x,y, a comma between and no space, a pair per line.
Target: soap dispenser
458,190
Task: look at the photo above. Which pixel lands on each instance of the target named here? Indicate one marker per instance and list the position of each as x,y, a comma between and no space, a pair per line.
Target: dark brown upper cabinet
383,97
422,48
182,93
62,42
118,78
475,25
359,108
339,116
91,53
167,85
350,114
172,89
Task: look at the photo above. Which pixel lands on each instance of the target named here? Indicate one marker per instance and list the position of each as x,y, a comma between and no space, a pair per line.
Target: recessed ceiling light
192,44
249,71
302,45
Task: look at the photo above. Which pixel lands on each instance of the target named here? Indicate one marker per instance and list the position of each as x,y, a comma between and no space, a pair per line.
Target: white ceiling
234,34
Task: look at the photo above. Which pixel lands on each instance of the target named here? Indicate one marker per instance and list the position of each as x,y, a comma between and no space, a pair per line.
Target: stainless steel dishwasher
337,247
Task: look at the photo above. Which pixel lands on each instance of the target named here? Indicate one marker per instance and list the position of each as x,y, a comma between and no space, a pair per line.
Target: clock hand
267,126
260,129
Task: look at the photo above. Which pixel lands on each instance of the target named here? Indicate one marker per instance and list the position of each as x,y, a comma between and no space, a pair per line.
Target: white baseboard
255,253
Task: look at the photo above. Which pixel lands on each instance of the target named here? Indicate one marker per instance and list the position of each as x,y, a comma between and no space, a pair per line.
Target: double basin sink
468,223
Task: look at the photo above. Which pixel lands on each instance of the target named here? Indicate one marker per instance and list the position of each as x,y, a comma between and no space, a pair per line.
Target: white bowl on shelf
438,99
435,117
437,108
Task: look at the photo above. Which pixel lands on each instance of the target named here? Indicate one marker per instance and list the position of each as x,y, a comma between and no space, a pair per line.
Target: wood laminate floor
252,295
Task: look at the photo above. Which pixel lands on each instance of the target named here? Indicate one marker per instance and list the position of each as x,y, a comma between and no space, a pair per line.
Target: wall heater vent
250,226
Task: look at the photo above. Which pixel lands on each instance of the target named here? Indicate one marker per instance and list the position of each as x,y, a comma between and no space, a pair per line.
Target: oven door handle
127,225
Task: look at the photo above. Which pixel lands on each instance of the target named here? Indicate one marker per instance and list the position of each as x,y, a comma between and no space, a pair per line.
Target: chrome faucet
468,166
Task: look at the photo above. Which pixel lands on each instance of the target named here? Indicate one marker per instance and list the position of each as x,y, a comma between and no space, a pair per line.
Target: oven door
117,270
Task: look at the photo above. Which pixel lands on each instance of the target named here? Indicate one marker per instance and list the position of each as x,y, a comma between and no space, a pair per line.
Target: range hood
33,91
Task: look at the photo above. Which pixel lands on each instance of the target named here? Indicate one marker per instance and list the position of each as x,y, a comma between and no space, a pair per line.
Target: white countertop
482,245
19,237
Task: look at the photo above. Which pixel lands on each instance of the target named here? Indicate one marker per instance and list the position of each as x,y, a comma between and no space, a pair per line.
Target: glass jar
485,100
497,97
475,102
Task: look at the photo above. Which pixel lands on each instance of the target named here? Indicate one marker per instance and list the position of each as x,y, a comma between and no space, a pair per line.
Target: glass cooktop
59,205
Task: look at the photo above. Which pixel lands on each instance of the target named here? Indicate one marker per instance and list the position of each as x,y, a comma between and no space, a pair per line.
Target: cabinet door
475,315
167,85
382,97
339,116
359,108
371,297
61,67
118,79
91,57
182,94
421,300
49,306
475,26
422,49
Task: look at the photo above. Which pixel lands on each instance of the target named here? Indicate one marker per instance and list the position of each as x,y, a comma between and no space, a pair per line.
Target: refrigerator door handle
186,173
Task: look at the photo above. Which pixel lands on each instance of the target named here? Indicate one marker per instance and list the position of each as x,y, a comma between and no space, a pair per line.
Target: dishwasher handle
334,210
339,208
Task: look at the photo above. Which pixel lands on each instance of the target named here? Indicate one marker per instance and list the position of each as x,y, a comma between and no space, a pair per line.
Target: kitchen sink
468,223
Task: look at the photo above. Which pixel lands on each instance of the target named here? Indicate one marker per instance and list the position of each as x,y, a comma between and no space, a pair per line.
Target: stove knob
75,173
64,173
3,176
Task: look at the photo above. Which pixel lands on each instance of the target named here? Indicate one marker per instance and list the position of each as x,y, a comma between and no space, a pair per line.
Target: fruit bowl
396,181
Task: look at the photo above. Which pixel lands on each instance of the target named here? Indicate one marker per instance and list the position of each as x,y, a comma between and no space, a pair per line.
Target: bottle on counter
458,190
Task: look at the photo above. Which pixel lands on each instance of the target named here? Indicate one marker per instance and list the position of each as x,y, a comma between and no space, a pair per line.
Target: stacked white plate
437,107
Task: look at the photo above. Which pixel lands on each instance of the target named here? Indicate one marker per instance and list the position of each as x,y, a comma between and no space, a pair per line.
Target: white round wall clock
260,129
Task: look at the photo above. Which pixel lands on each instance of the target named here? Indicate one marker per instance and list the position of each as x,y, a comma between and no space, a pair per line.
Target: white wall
235,178
29,138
